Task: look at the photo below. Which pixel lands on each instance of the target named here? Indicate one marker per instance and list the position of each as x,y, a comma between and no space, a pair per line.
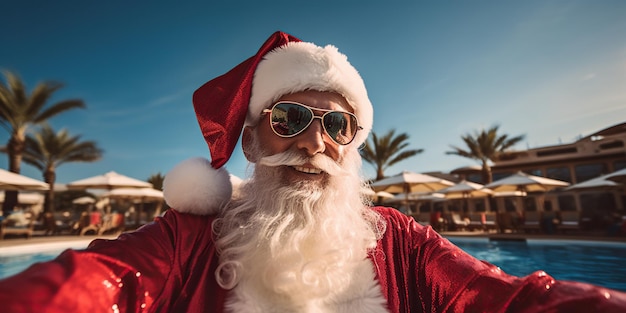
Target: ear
247,140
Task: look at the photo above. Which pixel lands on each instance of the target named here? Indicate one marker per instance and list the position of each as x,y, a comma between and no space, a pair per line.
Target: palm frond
383,152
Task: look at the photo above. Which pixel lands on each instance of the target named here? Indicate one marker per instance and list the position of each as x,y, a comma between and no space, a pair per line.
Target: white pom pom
194,186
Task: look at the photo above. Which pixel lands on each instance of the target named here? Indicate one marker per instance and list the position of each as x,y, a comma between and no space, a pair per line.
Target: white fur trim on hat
194,186
300,66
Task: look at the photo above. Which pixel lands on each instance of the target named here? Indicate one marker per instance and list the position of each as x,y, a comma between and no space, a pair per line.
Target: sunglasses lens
341,127
289,119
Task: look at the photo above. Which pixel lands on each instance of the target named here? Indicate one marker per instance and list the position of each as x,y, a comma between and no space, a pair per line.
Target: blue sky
550,70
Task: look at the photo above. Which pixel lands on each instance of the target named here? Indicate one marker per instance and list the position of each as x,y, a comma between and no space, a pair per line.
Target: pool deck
587,236
38,239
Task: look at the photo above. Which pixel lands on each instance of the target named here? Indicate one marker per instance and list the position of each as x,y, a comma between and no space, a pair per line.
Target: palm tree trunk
379,173
15,148
50,178
486,173
10,201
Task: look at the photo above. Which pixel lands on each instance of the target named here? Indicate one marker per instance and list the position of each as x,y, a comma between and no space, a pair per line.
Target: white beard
301,245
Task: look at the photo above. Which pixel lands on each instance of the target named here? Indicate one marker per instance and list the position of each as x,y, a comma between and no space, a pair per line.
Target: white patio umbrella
515,193
13,181
416,196
595,183
383,194
142,194
525,183
377,196
109,181
410,182
466,189
617,176
368,192
27,198
84,200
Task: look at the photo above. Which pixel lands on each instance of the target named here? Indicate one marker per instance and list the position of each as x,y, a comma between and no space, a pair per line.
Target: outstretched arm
420,270
128,274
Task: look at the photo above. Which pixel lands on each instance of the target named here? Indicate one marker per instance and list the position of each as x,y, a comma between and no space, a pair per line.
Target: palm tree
386,151
156,180
157,183
47,150
18,112
486,146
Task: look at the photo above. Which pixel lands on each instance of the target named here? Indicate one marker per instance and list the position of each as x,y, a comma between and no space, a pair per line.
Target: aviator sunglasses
289,119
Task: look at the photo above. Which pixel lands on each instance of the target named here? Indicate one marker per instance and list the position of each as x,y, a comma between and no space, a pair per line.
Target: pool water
10,265
598,263
16,259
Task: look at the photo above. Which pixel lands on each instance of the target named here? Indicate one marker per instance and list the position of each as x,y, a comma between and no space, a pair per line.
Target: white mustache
290,158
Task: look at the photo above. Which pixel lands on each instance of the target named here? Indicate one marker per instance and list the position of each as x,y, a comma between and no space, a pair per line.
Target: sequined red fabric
169,265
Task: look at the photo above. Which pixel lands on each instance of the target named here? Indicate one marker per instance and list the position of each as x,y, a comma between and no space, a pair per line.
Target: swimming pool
16,259
599,263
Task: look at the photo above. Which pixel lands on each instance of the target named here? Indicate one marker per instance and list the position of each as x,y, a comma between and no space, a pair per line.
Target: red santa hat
283,65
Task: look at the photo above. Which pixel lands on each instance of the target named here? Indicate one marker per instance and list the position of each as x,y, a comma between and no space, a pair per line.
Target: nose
311,141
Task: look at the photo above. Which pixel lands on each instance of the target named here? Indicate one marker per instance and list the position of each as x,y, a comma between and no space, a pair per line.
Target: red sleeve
421,271
69,284
140,269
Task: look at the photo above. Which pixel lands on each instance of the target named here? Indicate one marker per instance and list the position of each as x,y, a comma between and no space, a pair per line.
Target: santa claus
299,235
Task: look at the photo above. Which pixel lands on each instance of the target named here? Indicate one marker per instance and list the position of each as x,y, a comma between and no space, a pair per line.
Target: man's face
312,141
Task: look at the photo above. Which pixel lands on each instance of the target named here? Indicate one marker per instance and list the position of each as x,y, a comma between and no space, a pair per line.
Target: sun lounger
509,222
490,221
83,221
532,221
569,221
55,224
476,221
6,228
110,224
457,222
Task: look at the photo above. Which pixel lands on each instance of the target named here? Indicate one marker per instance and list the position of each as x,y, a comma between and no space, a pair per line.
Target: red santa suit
169,266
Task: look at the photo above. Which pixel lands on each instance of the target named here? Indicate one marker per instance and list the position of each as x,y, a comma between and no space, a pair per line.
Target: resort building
597,204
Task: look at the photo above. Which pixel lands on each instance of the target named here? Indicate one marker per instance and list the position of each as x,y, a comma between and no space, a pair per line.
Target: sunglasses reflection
288,119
